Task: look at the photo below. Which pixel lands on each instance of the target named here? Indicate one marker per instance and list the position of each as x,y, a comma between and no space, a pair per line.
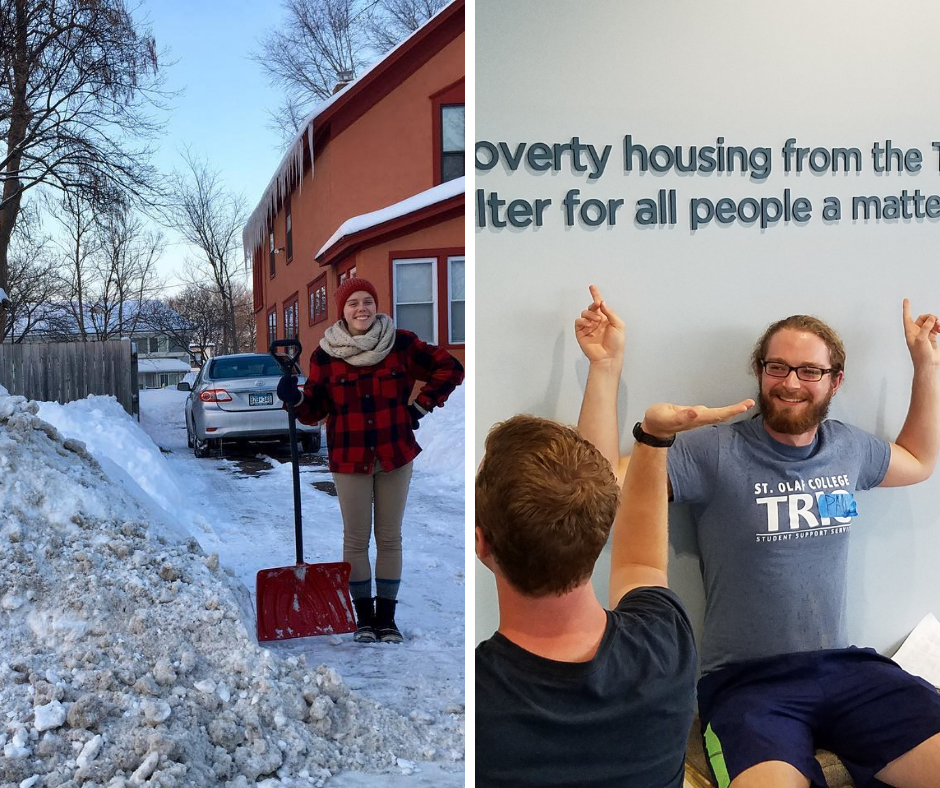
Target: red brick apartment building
372,186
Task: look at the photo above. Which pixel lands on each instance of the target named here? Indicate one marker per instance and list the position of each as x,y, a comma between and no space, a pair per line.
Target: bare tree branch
210,219
105,267
394,20
79,87
324,42
32,289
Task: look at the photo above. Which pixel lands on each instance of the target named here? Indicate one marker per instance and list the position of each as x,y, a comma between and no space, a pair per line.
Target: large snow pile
123,657
441,437
125,452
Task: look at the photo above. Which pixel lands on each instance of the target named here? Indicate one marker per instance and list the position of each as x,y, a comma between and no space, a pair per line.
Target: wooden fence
66,371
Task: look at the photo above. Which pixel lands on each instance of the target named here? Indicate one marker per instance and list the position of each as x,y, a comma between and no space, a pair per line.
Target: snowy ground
117,617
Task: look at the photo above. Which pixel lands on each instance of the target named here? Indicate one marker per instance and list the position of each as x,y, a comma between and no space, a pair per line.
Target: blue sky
222,109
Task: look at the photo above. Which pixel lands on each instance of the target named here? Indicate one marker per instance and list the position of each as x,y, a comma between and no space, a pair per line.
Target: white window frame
434,307
450,300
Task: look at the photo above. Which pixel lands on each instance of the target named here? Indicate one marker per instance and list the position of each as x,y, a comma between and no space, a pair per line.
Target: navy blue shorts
853,702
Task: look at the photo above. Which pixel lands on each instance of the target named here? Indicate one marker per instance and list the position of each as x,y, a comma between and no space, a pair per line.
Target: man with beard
772,500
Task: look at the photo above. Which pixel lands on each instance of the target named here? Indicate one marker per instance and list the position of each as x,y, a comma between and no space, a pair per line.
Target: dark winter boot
365,620
385,629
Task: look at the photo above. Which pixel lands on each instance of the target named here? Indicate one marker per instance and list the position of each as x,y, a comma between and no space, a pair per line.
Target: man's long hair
808,323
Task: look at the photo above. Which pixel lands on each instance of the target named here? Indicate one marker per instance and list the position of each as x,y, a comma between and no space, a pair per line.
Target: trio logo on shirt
799,508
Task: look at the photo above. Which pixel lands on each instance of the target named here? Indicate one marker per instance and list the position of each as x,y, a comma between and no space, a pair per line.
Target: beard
789,422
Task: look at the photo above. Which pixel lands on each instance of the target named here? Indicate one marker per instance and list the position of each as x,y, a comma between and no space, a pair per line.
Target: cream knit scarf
363,350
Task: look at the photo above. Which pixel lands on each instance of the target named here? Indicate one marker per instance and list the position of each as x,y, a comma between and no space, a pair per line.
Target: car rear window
227,368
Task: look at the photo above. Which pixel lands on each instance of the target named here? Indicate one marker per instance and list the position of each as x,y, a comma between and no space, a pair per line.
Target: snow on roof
161,365
416,202
289,172
137,316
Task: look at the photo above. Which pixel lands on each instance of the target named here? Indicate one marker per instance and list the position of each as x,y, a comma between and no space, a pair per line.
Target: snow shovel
305,599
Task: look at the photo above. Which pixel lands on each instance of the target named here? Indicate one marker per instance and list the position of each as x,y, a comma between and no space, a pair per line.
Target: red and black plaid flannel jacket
367,407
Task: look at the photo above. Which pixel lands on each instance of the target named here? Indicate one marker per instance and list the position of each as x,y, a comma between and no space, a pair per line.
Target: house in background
160,335
372,186
161,361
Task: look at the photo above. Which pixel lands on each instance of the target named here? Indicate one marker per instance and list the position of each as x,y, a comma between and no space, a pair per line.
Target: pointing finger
595,295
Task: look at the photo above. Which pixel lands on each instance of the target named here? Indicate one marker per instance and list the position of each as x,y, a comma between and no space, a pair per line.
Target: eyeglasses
809,374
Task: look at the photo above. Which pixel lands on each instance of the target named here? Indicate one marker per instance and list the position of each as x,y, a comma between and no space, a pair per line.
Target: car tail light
215,395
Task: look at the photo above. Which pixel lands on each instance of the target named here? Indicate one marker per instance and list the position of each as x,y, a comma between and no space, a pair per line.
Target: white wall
683,73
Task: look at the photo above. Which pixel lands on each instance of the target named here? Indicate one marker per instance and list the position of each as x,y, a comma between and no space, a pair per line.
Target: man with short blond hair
568,693
564,481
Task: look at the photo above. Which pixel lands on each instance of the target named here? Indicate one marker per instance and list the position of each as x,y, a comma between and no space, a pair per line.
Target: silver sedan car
235,398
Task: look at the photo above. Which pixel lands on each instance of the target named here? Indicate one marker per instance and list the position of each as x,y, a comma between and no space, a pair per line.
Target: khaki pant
359,494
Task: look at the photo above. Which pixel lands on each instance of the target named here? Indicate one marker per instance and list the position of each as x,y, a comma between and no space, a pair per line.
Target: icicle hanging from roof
291,169
290,173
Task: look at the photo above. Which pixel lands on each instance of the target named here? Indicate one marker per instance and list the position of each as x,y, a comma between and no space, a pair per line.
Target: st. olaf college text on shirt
805,507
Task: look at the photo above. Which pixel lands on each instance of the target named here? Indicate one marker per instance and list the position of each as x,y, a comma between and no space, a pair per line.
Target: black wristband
651,440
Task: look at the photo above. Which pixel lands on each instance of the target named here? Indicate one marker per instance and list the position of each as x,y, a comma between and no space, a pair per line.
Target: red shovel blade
303,600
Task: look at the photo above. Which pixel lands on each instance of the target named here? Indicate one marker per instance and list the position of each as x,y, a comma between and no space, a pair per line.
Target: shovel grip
288,359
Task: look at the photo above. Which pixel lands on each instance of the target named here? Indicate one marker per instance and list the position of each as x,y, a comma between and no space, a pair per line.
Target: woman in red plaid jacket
361,379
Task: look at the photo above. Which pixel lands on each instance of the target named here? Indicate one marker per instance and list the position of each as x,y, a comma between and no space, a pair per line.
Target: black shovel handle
287,361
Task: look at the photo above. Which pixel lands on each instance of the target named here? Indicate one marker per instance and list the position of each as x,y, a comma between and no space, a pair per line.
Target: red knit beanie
350,286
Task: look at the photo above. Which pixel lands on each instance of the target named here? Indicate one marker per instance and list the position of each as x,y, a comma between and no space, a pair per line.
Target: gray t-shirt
773,525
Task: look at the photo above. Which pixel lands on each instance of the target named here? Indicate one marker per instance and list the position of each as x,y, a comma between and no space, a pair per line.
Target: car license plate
260,399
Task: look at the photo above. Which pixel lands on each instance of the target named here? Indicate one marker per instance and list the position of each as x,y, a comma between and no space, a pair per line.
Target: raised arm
639,544
914,453
601,336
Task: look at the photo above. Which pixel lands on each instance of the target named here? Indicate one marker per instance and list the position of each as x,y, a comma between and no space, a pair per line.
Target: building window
429,294
257,272
290,238
448,132
271,252
290,319
415,296
452,141
153,345
316,300
272,326
456,299
349,273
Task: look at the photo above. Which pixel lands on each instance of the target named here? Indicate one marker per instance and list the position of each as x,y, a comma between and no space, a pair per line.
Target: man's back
620,719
